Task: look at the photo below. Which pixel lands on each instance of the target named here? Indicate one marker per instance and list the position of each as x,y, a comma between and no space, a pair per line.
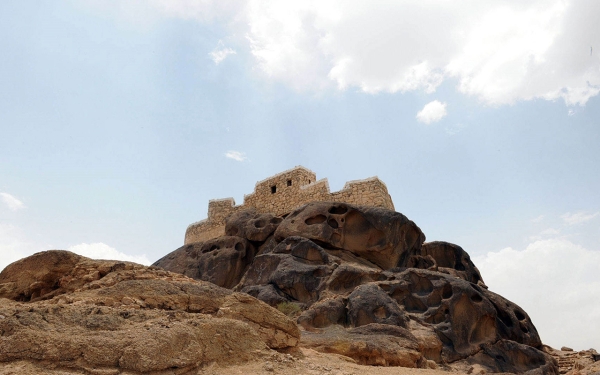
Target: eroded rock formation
367,286
59,311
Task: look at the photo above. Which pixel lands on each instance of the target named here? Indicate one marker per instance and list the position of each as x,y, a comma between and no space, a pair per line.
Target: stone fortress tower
282,193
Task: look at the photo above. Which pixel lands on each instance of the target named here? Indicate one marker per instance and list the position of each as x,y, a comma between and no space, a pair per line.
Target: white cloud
578,217
11,202
556,282
220,53
499,51
432,112
236,155
103,251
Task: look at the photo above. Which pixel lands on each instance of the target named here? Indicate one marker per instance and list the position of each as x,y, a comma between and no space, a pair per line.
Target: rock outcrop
366,285
59,310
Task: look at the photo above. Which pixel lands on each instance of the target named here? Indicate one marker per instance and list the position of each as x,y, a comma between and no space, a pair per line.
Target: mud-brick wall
369,192
283,193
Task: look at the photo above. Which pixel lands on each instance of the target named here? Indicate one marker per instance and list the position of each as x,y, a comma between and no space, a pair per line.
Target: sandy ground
302,362
310,362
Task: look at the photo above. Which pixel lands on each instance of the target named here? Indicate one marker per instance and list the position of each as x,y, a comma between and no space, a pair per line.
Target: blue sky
116,119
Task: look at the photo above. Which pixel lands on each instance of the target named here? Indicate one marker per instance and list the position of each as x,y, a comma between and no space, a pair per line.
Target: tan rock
129,317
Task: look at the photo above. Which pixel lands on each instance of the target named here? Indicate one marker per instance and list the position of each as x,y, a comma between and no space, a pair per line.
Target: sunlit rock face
64,313
364,283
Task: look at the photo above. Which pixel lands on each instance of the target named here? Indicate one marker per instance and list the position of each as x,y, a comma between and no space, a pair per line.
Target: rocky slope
363,283
63,313
358,286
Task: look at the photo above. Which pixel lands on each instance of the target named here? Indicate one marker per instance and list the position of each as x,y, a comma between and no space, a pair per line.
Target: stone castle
282,193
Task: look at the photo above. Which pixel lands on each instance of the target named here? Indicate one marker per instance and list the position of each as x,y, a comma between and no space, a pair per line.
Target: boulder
116,316
367,287
251,225
383,237
373,344
221,261
453,260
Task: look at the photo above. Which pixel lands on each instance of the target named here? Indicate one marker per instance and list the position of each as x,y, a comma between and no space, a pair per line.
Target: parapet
282,193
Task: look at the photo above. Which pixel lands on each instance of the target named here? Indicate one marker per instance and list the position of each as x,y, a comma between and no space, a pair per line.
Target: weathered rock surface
251,225
453,260
383,237
61,310
367,286
221,261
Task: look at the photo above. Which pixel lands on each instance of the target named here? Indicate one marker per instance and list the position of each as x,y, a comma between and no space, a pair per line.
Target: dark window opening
309,181
273,189
289,182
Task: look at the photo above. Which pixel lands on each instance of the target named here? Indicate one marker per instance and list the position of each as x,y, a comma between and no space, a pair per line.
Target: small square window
289,182
273,189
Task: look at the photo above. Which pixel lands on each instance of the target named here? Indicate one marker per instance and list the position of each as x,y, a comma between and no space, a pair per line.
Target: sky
121,119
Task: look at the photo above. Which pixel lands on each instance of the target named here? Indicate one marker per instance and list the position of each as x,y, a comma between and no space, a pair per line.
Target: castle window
289,182
273,189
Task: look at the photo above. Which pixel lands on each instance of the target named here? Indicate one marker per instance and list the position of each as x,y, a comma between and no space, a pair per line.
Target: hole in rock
412,304
319,272
476,297
420,285
259,223
380,312
239,246
447,291
315,220
333,223
504,317
519,315
500,358
289,182
212,248
338,210
273,189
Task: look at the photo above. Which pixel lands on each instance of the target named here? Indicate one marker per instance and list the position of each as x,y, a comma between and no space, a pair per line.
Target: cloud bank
497,51
557,283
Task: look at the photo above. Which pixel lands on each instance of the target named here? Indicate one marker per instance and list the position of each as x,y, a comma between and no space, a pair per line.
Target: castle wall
282,193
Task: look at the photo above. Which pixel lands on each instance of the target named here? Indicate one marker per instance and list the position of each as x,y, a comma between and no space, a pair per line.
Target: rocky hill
328,289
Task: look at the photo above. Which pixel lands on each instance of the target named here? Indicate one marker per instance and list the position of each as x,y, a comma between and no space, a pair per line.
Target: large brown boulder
453,260
221,261
361,283
111,315
383,237
251,225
